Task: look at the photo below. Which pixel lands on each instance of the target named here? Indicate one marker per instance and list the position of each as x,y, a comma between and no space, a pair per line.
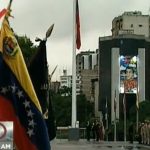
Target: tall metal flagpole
137,100
74,69
115,107
124,109
137,120
106,117
115,128
137,111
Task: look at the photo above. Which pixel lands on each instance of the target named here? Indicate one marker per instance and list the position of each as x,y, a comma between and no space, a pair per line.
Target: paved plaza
64,144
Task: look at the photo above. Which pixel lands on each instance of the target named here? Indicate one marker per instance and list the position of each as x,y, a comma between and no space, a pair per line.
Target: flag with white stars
18,101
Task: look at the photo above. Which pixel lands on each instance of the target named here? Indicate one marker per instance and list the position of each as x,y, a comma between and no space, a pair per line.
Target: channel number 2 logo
3,131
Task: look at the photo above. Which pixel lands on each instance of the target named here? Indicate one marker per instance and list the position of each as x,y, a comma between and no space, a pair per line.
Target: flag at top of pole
78,38
3,12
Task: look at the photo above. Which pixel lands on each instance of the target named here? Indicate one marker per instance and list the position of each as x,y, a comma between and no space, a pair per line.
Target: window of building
63,82
140,25
131,25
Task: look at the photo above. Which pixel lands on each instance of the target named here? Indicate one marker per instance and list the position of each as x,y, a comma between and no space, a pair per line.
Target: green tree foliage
27,47
85,110
144,112
62,107
66,91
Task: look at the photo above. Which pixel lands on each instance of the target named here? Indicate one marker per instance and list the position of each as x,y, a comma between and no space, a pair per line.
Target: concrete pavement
64,144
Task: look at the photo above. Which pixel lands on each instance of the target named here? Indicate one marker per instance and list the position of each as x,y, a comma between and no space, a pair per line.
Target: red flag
78,39
3,12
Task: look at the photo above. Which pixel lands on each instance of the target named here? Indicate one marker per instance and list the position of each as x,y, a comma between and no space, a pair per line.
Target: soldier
149,132
142,133
139,133
88,130
145,132
131,132
93,130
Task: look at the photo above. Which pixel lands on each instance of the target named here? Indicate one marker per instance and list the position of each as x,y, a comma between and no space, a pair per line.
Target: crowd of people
95,131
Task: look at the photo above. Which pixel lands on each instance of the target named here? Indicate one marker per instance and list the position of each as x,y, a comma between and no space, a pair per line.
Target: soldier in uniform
142,133
148,128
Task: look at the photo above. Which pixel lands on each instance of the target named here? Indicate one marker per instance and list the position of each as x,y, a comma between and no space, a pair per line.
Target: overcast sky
33,17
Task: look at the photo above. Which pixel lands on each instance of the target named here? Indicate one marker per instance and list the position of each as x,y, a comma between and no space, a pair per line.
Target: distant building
55,86
129,46
95,97
66,81
86,63
86,84
115,55
85,60
131,23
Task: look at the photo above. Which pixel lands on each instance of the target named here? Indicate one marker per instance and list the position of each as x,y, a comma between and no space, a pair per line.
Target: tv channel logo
6,135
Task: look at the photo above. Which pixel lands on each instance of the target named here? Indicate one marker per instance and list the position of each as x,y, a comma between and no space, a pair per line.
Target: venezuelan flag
18,101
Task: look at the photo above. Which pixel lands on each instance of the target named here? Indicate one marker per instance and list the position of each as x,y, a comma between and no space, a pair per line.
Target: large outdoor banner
128,74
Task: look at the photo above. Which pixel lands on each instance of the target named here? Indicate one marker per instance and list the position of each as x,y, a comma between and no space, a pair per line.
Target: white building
93,61
131,23
86,61
66,81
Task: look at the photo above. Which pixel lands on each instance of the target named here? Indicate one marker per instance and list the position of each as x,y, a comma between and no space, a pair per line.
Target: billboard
128,74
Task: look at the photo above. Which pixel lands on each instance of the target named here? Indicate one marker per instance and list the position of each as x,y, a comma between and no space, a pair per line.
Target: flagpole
137,111
137,108
115,128
74,69
137,120
106,118
125,126
115,107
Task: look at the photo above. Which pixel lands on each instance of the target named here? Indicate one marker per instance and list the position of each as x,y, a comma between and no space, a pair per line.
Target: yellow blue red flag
18,101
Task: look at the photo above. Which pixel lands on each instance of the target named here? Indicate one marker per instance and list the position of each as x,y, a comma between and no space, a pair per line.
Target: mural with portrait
128,74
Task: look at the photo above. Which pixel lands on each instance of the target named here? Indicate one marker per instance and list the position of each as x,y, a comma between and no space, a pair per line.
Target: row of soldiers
95,131
144,132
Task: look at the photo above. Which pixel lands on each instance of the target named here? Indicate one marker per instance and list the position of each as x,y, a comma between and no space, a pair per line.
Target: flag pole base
73,134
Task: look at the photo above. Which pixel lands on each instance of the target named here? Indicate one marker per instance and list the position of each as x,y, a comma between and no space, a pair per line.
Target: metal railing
62,133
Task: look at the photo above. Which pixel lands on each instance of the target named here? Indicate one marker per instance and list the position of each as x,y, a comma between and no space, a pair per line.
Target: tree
62,107
27,47
85,110
144,112
65,91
